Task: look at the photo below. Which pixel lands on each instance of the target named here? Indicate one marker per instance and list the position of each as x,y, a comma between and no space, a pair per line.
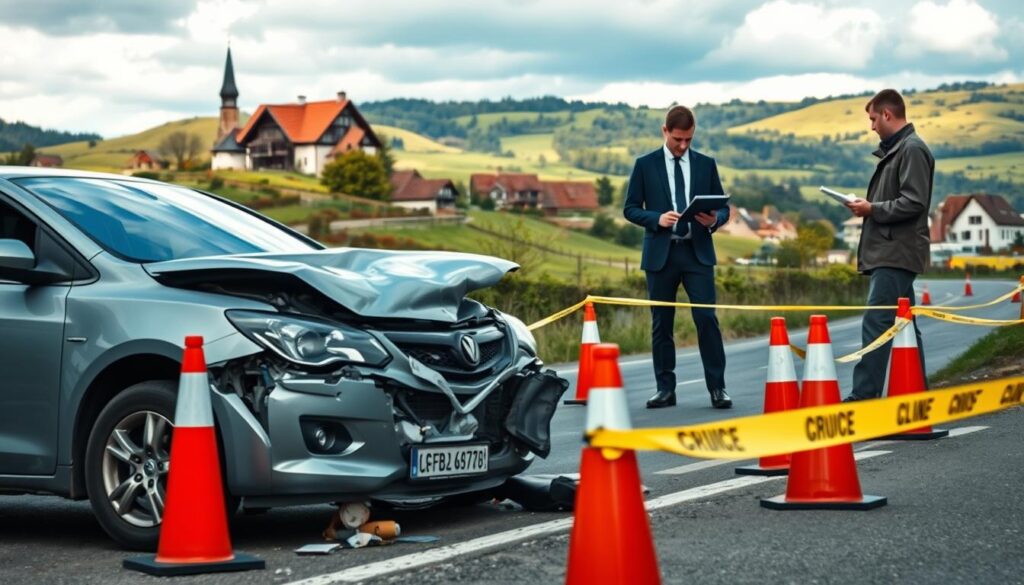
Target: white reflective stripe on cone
819,365
193,408
780,364
905,337
607,409
590,334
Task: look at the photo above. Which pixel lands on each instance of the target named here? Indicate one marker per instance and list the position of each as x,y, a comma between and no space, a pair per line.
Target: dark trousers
699,282
886,287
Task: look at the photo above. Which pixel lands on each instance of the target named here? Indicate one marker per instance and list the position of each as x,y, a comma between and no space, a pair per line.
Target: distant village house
412,191
527,191
47,160
978,222
146,160
768,225
302,136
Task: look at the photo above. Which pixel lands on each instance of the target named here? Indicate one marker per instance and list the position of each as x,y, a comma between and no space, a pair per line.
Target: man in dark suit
678,252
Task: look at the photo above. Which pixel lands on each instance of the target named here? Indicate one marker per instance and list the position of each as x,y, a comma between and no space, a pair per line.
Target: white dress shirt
670,168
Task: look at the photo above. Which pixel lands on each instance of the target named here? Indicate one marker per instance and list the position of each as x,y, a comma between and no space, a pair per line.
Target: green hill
114,154
957,118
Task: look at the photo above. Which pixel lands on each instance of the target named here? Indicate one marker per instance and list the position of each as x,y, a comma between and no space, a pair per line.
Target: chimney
302,100
342,96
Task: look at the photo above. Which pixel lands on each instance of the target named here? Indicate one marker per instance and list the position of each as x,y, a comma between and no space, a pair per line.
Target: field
940,118
114,154
1007,166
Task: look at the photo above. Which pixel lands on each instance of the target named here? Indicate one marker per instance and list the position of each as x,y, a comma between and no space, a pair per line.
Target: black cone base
575,402
765,471
934,434
780,503
148,564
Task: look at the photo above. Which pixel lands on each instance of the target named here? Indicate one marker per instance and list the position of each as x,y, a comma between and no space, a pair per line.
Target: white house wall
427,204
228,160
305,159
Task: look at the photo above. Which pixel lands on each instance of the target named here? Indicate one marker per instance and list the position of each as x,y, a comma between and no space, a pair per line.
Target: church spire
228,90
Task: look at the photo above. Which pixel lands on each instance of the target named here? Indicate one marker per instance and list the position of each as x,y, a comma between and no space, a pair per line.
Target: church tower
228,101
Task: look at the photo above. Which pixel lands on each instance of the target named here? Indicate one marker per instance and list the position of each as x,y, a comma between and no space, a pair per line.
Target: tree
603,227
182,147
357,173
812,240
605,191
384,154
23,157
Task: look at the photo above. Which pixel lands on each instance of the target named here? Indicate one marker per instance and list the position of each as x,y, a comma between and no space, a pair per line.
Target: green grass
459,166
289,214
940,117
1001,347
413,142
1008,166
531,147
277,179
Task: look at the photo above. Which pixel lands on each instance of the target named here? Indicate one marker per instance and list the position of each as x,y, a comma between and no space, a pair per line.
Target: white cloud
801,36
960,28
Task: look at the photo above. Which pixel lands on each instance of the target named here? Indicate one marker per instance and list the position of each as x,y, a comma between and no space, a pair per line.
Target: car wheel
127,460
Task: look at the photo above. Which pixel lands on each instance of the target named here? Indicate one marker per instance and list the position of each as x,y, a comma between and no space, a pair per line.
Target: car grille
435,408
441,351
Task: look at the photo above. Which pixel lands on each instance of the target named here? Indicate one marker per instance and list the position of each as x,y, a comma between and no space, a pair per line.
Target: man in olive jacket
893,247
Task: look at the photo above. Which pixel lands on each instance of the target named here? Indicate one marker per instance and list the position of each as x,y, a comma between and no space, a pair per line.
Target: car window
15,226
152,222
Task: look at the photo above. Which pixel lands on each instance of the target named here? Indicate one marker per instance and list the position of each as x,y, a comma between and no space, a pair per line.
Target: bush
147,175
216,183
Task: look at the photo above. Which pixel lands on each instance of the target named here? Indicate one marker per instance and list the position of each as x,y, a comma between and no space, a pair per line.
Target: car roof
7,172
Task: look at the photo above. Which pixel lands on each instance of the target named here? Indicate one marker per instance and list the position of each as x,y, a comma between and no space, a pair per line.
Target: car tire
120,464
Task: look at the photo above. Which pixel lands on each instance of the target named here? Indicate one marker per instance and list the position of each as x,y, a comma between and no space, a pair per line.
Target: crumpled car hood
372,283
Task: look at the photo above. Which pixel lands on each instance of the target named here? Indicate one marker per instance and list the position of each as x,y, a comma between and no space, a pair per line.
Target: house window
966,236
974,220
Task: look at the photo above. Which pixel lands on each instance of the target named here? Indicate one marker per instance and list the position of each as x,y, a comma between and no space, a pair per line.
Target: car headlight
308,342
522,333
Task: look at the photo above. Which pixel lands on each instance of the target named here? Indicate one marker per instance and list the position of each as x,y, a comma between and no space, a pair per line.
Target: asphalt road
955,510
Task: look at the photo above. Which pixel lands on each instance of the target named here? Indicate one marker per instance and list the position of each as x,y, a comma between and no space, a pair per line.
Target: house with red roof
977,221
302,136
412,191
527,191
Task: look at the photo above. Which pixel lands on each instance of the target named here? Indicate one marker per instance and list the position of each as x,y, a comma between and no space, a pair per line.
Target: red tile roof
350,140
997,208
568,195
518,182
411,186
301,123
482,182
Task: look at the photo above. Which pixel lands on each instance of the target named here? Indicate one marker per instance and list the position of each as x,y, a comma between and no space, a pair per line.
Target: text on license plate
448,461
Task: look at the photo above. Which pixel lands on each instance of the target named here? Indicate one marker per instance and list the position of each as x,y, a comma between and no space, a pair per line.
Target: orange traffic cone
194,535
781,392
968,291
926,297
585,373
1016,294
823,479
907,377
611,537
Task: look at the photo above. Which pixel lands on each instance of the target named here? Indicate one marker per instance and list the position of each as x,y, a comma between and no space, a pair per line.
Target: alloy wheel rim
136,459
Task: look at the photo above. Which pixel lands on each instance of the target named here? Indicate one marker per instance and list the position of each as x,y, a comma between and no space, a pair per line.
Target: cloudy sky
120,66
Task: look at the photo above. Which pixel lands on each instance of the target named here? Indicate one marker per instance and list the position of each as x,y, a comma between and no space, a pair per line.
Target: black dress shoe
719,399
662,399
856,398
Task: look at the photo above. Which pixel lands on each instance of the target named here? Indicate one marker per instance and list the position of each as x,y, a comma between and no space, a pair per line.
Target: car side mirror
16,255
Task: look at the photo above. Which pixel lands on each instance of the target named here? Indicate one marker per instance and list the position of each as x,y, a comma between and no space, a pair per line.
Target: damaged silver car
336,374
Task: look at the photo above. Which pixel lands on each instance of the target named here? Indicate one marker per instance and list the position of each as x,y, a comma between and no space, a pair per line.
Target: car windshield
153,222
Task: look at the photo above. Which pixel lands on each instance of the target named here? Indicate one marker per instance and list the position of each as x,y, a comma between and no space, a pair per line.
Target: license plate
453,461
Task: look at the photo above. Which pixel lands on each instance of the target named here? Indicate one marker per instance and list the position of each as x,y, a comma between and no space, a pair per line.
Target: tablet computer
842,198
703,203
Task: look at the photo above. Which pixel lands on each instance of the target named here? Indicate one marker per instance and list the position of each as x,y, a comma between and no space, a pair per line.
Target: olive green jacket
895,235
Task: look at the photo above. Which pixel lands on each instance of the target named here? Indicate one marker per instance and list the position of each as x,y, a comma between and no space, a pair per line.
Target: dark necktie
681,228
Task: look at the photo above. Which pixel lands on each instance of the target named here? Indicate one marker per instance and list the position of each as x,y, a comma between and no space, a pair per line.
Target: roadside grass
284,179
998,352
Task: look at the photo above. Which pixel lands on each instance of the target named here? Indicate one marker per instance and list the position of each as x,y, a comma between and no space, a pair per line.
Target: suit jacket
649,196
895,235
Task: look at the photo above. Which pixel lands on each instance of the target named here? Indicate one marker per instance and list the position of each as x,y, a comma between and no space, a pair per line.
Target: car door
31,340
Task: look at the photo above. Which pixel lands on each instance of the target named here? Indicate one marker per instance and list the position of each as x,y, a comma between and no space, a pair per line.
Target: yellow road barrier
822,426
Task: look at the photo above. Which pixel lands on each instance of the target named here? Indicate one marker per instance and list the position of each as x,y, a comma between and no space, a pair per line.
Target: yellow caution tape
822,426
797,351
780,308
965,319
882,339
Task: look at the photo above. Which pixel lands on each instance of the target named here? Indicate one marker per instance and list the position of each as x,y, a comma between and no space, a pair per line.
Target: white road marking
693,381
444,553
706,464
959,431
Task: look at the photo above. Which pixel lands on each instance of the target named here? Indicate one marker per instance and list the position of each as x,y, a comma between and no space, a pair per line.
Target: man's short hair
888,99
679,118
